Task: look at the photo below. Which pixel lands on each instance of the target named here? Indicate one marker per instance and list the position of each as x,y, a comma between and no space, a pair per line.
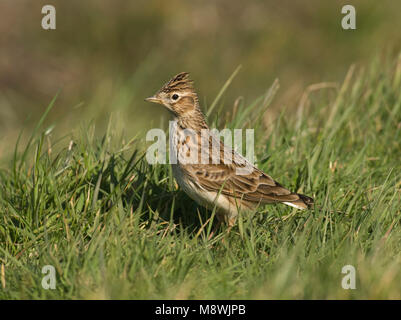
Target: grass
115,227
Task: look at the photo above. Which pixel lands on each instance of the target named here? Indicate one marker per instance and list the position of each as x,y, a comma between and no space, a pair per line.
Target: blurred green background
107,56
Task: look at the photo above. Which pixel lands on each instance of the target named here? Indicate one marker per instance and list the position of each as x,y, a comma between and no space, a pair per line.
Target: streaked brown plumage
219,184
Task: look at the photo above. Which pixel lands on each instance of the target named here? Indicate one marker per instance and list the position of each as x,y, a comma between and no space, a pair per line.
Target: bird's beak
153,99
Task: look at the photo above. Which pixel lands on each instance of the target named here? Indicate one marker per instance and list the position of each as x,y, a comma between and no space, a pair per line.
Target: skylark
229,184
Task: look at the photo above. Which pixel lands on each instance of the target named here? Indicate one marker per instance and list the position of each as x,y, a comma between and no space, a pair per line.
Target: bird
225,186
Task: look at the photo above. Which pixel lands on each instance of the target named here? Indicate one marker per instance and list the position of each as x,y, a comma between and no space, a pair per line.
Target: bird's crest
180,82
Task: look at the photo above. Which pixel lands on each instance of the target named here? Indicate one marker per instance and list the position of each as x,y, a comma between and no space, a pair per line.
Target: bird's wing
239,179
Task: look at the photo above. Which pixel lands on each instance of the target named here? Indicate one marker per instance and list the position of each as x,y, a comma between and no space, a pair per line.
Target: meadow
115,227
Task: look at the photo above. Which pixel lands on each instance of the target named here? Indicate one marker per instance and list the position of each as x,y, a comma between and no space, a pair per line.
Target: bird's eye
175,96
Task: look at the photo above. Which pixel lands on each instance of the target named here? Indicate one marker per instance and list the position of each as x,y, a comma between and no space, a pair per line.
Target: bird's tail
303,202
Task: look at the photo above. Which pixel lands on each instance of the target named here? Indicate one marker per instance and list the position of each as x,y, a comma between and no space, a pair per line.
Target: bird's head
177,95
